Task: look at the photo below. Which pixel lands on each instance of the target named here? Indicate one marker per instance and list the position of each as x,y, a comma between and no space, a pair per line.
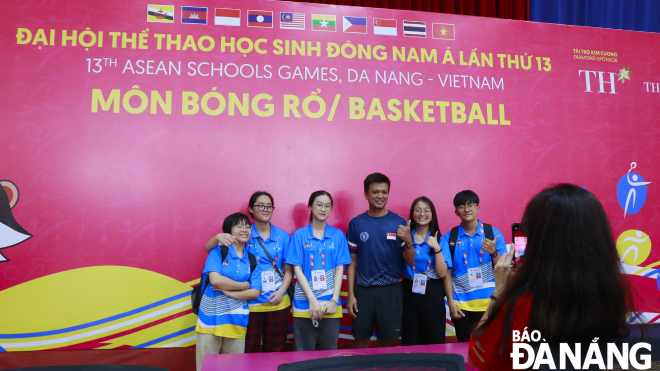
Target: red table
270,361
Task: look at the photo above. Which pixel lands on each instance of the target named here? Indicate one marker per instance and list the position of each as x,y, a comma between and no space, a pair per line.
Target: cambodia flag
260,18
193,15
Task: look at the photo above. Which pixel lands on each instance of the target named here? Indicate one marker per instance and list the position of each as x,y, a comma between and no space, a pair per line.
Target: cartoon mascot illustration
11,233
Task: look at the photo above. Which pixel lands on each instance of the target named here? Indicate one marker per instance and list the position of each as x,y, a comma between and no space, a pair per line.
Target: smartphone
519,244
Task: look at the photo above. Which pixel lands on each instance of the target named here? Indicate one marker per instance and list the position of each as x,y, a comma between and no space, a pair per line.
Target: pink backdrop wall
148,190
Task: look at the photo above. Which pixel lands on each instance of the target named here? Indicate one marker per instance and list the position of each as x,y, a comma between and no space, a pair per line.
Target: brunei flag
324,23
160,13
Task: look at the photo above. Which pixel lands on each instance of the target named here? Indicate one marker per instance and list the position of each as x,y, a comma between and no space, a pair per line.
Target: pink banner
130,130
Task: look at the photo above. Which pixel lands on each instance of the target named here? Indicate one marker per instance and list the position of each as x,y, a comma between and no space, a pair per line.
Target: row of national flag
296,21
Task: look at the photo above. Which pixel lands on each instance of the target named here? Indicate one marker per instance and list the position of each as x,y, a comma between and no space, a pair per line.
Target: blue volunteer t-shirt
378,248
221,315
310,253
469,254
277,245
425,263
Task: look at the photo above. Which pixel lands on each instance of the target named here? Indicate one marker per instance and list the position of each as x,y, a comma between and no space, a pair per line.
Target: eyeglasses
243,227
468,207
420,211
265,207
321,206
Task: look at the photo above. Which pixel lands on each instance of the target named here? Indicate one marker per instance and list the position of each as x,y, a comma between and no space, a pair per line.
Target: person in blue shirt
223,312
318,253
424,316
269,313
377,241
471,282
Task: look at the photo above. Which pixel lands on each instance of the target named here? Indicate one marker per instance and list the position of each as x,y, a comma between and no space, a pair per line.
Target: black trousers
465,325
424,316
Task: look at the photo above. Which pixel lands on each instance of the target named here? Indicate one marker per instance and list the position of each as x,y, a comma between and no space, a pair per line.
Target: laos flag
260,18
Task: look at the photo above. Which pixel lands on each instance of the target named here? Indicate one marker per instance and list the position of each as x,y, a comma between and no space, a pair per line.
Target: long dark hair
433,226
313,197
570,270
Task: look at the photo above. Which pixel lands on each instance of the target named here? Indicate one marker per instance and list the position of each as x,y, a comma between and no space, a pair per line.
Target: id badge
476,281
419,283
268,281
318,280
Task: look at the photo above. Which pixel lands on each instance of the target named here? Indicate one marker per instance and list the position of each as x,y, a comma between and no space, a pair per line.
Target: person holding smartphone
424,316
474,248
318,253
223,312
570,286
269,313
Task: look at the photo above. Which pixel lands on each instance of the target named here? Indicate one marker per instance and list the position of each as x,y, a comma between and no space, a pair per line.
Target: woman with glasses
269,313
423,289
233,277
318,253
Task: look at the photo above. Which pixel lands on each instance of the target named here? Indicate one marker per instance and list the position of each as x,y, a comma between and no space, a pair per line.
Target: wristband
493,255
334,301
437,252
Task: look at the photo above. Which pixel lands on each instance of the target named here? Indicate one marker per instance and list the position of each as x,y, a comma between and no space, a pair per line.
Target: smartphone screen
519,244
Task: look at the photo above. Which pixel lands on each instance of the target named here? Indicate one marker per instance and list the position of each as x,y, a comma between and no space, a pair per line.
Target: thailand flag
193,15
414,29
227,17
355,24
260,18
385,27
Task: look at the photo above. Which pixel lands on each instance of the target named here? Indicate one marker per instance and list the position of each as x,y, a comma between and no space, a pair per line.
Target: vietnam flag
443,31
324,23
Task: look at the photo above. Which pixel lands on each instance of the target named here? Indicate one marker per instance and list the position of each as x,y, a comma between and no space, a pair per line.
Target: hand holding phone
519,244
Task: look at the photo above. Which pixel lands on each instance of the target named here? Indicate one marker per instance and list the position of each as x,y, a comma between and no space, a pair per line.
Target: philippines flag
444,31
292,21
355,24
227,17
193,15
260,18
414,29
385,27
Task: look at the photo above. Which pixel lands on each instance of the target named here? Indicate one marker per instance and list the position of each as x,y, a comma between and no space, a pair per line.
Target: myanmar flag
324,23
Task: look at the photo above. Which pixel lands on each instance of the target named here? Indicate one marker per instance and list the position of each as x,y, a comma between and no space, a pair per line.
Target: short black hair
376,178
464,197
233,220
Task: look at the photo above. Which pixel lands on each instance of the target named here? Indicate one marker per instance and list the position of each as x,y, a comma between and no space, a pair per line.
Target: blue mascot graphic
631,192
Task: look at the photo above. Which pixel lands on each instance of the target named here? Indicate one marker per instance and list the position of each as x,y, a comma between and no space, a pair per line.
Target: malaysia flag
385,27
292,21
444,31
260,18
227,17
193,15
414,29
355,24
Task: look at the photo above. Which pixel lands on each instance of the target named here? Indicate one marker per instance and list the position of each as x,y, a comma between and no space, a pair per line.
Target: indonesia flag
385,27
260,18
391,236
355,24
193,15
227,17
